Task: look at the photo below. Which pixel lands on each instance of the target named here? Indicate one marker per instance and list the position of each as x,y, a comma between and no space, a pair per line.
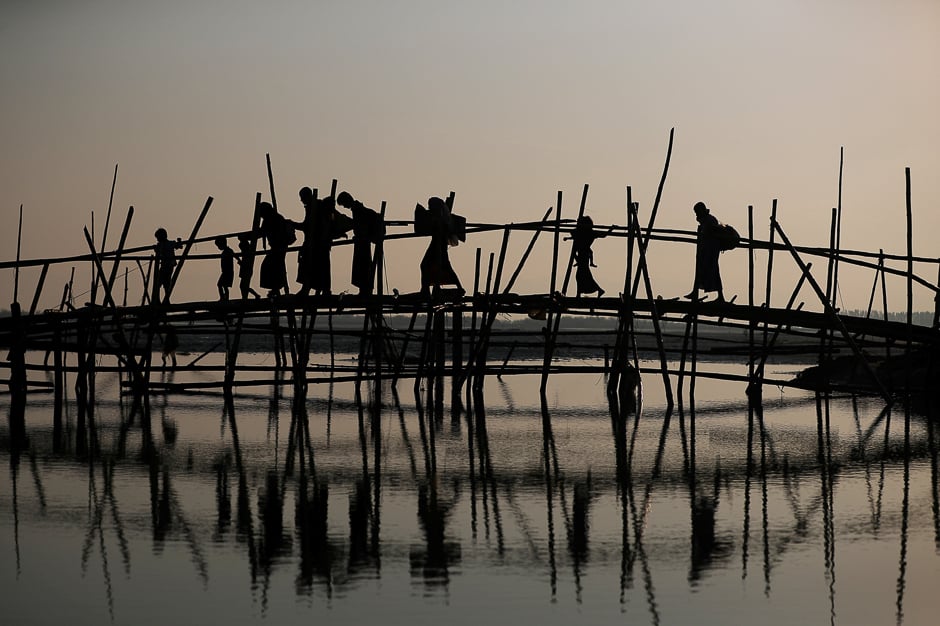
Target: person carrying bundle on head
445,230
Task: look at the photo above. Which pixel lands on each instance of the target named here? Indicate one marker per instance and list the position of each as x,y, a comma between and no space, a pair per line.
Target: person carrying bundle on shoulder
713,238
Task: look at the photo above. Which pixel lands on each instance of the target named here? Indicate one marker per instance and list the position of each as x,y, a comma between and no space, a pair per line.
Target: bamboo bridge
456,334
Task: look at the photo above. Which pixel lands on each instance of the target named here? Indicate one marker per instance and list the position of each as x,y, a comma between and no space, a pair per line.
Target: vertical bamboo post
770,272
473,316
750,295
838,238
936,299
884,297
910,290
267,159
58,384
379,316
825,342
456,353
551,291
16,271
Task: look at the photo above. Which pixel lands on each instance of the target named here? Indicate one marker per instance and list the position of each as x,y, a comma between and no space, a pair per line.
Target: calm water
556,514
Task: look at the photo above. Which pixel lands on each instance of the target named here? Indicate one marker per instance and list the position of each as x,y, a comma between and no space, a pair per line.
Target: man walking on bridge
707,249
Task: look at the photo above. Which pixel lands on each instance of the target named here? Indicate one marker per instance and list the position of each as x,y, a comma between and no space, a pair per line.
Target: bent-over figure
368,228
279,233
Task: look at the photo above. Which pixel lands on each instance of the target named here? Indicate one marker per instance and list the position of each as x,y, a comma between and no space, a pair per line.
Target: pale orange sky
504,103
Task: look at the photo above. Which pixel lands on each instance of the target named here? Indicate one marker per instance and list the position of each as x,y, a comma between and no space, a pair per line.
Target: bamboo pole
120,248
267,159
104,235
750,293
642,269
525,255
644,242
769,343
832,313
770,268
838,242
554,318
189,243
910,289
38,292
16,272
936,308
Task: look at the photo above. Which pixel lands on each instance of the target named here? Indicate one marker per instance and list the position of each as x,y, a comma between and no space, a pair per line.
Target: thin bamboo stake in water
16,272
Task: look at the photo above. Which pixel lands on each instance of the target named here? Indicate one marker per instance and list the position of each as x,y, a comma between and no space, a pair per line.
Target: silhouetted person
436,269
433,560
246,266
165,254
368,228
279,233
583,237
708,547
227,263
321,224
707,249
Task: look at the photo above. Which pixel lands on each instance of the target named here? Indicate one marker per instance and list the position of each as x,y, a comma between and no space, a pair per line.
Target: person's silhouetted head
345,199
585,222
306,195
700,209
265,209
160,234
221,243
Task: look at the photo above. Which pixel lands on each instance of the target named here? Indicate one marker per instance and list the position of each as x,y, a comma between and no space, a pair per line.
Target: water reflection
596,505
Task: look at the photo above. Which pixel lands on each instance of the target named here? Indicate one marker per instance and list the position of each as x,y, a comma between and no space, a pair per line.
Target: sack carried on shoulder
728,237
